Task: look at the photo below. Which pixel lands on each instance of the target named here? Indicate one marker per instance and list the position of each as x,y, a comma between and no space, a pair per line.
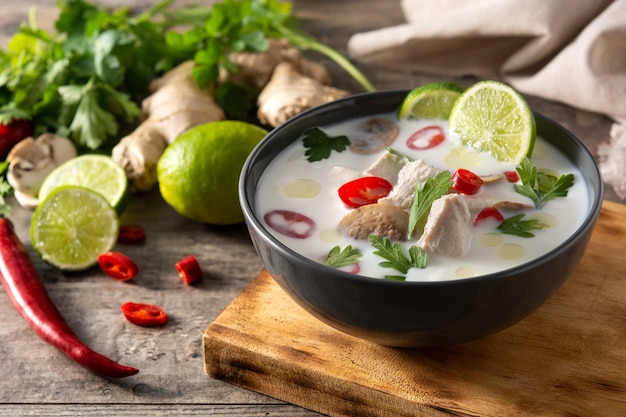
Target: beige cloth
571,51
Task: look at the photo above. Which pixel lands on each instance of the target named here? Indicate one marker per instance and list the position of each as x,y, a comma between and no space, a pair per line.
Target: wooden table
38,380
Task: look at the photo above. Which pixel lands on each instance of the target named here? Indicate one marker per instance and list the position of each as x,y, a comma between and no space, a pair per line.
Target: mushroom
30,161
379,133
376,219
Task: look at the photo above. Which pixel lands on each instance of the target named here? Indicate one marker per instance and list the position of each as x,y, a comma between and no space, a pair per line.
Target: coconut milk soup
300,205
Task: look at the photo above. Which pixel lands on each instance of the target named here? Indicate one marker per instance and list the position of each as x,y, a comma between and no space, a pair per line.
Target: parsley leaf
515,225
5,190
319,145
540,187
396,258
425,195
338,257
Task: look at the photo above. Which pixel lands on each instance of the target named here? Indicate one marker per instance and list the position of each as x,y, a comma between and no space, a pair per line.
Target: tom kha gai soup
406,200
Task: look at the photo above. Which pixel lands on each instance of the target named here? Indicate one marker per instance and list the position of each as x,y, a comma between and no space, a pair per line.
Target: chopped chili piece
363,191
511,176
189,269
466,182
131,234
118,266
290,223
488,212
142,314
426,138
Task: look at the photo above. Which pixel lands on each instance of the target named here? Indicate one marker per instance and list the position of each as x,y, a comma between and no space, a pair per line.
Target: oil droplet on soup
330,236
301,188
462,158
510,251
491,240
465,272
544,218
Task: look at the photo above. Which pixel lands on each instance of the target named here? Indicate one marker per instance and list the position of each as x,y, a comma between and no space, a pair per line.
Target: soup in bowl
329,199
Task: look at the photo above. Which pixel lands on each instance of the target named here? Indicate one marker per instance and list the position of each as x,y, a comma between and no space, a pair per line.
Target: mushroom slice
447,230
491,179
379,133
375,219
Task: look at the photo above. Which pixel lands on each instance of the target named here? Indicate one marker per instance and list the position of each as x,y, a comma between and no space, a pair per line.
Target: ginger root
176,105
289,93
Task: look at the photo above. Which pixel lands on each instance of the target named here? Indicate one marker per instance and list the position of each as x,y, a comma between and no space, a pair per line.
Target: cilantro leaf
319,145
338,257
539,186
396,258
515,225
425,195
5,190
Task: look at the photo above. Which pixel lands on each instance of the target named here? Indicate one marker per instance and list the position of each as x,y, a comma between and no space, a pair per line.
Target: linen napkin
570,51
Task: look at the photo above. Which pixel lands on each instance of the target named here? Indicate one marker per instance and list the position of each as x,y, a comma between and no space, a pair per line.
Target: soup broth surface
292,183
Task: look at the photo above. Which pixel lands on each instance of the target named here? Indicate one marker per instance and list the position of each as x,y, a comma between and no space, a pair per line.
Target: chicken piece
388,166
403,193
375,219
340,175
379,133
447,230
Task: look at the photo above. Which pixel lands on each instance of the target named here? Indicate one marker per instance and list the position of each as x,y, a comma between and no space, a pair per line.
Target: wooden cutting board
566,359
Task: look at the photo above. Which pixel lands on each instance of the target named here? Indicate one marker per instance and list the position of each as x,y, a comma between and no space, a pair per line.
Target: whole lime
198,173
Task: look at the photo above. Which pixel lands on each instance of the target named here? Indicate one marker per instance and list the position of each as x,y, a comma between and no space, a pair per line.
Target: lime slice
99,173
492,117
72,227
430,101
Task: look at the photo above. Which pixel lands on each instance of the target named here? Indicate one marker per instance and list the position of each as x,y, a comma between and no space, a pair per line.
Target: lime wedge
72,227
99,173
430,101
492,117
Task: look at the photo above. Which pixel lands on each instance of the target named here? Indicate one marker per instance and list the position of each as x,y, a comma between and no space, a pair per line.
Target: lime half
430,101
72,227
492,117
99,173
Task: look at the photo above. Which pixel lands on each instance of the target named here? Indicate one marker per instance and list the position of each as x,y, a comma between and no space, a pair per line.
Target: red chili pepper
118,266
363,191
131,234
141,314
290,223
488,212
426,138
31,300
189,269
12,133
511,176
466,182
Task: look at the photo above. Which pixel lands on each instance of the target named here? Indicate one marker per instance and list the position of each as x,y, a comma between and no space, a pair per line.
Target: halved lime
99,173
492,117
430,101
72,227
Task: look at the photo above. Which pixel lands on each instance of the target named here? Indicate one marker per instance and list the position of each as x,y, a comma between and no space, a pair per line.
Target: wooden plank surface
566,359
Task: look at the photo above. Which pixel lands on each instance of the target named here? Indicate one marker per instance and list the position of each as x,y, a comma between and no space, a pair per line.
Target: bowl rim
253,221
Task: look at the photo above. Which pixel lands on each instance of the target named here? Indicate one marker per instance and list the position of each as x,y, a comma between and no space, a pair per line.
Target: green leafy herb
541,187
396,258
338,257
319,145
425,195
515,225
5,190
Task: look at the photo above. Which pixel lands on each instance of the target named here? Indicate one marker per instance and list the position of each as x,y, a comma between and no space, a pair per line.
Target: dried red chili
143,314
466,182
189,269
30,298
118,266
131,234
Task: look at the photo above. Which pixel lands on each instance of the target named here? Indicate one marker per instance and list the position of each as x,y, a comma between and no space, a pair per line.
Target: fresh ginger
176,105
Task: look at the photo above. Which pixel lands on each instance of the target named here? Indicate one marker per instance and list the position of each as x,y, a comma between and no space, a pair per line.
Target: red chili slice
290,223
118,266
363,191
488,212
131,234
189,270
143,314
466,182
426,138
511,176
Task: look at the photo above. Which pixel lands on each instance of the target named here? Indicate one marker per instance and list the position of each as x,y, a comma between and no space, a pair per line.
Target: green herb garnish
514,225
338,257
540,187
425,195
319,145
396,258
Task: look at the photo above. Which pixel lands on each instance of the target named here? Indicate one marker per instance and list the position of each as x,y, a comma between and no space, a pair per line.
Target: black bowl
413,314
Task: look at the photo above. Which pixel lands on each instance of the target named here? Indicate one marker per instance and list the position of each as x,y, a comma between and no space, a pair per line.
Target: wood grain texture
566,359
